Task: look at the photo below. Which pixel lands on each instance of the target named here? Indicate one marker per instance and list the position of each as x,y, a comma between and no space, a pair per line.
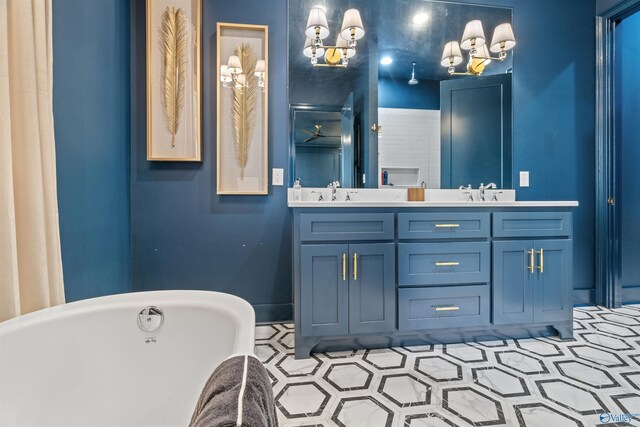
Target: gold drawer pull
344,267
447,264
541,266
532,261
447,308
447,225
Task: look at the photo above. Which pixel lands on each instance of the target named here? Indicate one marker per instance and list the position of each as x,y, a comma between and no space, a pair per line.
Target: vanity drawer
467,225
422,264
532,224
346,226
443,307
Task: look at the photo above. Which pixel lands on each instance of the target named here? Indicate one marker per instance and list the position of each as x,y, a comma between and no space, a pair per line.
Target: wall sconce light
232,76
317,30
474,41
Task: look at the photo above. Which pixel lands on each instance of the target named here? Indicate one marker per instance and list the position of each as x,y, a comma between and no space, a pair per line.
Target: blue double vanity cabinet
419,273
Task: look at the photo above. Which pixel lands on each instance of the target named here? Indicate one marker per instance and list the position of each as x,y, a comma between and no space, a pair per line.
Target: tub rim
233,306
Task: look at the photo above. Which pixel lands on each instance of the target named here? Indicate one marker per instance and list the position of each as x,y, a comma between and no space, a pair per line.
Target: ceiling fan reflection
317,134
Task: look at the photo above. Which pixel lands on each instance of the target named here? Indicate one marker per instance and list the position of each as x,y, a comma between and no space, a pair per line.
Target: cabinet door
512,282
552,289
372,290
324,290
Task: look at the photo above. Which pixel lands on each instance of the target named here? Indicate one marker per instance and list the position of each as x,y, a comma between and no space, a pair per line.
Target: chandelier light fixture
317,30
232,75
474,41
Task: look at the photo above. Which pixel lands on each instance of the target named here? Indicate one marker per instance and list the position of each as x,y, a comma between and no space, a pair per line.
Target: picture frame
173,60
242,109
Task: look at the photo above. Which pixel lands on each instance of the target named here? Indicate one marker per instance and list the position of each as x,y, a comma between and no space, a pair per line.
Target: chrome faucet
485,187
468,191
333,186
348,198
320,197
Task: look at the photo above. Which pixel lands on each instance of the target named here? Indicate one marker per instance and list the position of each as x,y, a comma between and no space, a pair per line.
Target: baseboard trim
584,297
268,313
631,295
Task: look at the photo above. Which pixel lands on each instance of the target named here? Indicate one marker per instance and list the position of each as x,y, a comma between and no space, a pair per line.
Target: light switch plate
277,176
524,178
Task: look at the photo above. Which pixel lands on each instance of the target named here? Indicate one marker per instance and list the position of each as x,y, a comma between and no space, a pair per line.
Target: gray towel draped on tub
238,393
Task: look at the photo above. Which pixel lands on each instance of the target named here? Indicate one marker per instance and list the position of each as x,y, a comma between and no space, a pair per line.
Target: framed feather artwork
242,109
173,80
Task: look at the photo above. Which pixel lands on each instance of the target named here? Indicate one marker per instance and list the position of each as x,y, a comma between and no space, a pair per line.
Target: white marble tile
364,412
543,416
571,396
618,318
465,353
302,399
439,368
265,332
597,356
521,362
567,381
539,347
291,367
385,358
349,376
585,374
501,382
612,328
472,406
405,390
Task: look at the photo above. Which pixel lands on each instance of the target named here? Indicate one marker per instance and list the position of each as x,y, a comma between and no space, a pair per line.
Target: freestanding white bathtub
88,363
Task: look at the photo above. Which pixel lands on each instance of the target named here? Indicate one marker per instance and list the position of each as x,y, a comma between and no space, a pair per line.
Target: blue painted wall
397,93
185,236
627,64
91,113
554,114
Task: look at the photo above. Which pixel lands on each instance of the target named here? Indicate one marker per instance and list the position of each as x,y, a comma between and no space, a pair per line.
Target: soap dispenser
297,190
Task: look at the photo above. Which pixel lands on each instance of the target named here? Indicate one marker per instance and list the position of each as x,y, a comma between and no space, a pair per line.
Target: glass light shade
473,30
308,49
451,50
225,75
317,18
241,80
343,44
503,34
260,68
483,52
234,65
351,21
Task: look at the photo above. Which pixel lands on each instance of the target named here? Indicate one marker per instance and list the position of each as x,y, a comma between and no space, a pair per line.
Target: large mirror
395,116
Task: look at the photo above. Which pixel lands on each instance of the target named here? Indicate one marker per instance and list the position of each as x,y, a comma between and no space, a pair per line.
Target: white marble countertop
432,204
397,198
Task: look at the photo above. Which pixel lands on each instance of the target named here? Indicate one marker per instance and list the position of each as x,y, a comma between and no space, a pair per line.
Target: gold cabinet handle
447,308
447,225
344,267
541,266
447,264
532,261
355,266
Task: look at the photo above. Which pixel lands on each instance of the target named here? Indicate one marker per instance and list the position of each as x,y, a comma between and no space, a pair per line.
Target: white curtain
30,258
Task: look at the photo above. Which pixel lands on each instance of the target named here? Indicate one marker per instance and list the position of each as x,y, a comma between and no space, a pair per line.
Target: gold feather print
173,47
244,106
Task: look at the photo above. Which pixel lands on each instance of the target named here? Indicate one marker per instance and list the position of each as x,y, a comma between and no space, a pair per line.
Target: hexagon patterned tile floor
540,382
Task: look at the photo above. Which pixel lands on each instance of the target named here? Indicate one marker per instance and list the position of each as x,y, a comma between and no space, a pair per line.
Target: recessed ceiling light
420,18
386,60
